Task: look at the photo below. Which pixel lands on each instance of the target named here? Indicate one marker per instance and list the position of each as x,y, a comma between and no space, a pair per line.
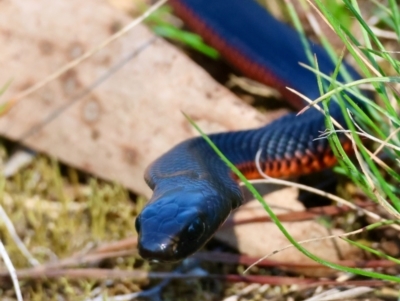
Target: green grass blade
279,224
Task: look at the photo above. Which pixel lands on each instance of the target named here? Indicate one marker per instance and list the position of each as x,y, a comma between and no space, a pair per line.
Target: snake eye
137,224
196,229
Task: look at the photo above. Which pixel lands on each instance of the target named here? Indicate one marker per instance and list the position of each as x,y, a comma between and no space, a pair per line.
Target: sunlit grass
57,215
375,177
161,24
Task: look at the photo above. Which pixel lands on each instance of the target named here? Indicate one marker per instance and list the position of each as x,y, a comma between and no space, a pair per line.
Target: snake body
194,191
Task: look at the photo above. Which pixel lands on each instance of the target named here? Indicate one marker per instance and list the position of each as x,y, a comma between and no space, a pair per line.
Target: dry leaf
128,97
260,239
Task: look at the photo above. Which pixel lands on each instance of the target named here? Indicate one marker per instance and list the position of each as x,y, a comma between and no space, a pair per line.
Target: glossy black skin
176,221
194,191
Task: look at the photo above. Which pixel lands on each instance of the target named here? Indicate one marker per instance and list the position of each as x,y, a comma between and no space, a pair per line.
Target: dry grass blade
330,196
389,209
381,33
335,294
10,103
19,159
127,297
140,276
295,216
252,86
11,270
229,258
355,48
339,126
385,142
13,233
372,186
301,243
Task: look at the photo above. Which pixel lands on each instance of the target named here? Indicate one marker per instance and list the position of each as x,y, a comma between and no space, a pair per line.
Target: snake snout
170,239
157,247
178,222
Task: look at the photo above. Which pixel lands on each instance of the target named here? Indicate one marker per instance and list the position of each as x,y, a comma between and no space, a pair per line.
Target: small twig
127,243
336,294
139,276
295,216
125,247
84,260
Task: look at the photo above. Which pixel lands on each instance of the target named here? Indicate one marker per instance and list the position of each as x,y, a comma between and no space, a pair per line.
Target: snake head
177,223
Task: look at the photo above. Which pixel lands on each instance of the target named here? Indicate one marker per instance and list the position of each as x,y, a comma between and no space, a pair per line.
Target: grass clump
380,123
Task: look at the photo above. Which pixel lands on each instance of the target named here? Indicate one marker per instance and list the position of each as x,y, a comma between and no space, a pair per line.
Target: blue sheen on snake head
176,224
